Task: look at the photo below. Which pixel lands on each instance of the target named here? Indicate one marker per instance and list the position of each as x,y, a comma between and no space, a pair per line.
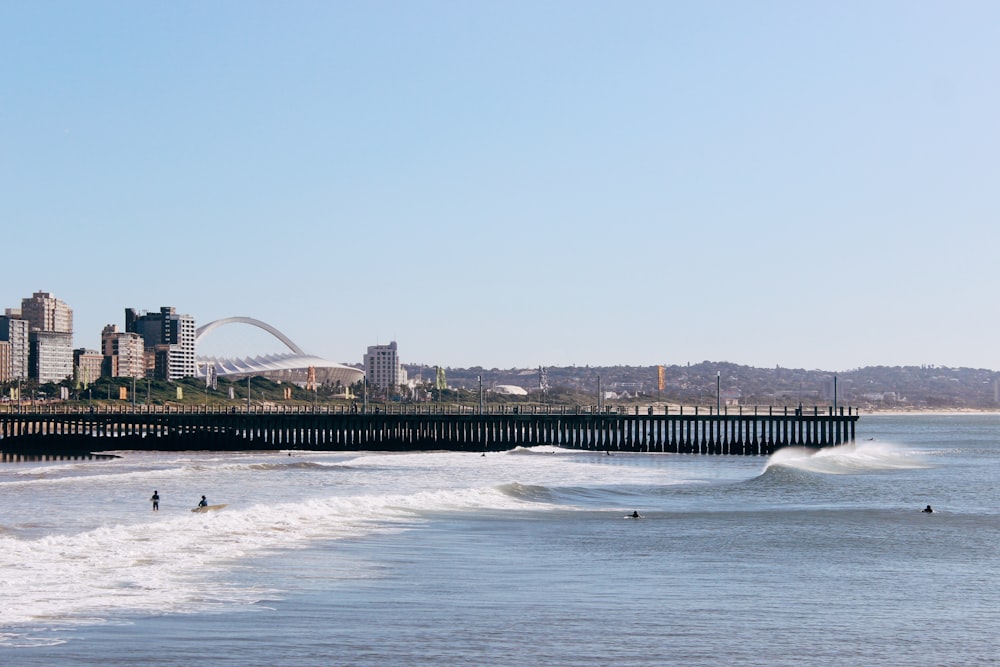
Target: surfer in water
927,510
156,501
635,515
203,503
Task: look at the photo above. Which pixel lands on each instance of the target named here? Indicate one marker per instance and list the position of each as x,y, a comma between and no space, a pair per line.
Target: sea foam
847,459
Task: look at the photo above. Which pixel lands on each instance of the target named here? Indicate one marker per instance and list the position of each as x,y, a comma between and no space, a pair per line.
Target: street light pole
718,392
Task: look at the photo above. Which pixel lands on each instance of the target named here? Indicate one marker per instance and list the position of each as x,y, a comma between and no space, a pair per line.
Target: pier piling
694,432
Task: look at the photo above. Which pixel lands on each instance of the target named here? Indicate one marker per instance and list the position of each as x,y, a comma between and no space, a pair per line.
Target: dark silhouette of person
635,515
928,510
156,501
203,503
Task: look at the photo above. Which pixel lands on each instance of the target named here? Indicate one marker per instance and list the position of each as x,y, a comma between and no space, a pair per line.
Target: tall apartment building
50,355
168,340
123,353
382,367
14,332
44,312
50,337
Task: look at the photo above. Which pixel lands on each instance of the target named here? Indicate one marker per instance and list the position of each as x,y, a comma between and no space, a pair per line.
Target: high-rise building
168,340
50,355
50,337
44,312
123,352
14,331
382,367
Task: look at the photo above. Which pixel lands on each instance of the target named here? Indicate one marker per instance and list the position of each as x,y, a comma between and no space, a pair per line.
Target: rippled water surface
523,557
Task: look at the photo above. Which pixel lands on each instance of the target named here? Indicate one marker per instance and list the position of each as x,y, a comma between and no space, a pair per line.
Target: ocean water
516,558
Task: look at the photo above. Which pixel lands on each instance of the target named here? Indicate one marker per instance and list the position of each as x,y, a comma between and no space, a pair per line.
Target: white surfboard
209,508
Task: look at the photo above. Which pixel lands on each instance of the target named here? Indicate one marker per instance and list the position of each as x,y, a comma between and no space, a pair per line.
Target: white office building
51,356
382,367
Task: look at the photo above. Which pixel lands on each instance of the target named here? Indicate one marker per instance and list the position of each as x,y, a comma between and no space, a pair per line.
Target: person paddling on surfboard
203,503
928,510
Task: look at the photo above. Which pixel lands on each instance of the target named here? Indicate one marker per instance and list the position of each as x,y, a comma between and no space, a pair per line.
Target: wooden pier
756,433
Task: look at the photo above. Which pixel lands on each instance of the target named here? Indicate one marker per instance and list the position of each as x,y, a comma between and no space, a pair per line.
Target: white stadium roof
292,366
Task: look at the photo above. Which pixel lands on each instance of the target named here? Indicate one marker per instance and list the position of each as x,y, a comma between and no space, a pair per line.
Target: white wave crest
847,459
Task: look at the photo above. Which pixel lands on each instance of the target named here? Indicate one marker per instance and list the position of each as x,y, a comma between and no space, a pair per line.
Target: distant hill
872,388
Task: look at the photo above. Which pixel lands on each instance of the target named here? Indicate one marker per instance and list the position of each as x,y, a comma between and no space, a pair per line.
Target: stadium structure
295,366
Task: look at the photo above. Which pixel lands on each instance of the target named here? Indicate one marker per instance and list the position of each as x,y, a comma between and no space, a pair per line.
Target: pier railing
683,431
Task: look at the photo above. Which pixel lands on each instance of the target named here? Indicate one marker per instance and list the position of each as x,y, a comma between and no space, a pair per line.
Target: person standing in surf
156,501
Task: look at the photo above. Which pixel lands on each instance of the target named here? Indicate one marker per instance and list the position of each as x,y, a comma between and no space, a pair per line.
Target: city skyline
530,185
272,337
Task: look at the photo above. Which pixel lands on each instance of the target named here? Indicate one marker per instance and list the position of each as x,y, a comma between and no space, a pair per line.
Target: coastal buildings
50,336
123,353
50,356
168,341
86,366
382,367
44,312
4,361
14,337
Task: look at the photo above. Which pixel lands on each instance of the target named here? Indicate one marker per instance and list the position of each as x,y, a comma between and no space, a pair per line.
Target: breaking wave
868,456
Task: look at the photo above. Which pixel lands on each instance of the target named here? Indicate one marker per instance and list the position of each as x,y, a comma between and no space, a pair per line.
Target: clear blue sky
501,184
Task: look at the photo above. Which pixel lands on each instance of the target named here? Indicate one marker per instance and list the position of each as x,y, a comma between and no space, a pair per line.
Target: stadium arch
288,367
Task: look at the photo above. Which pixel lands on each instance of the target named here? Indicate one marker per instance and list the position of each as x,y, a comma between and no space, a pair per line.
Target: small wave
297,465
846,459
526,492
540,449
17,640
